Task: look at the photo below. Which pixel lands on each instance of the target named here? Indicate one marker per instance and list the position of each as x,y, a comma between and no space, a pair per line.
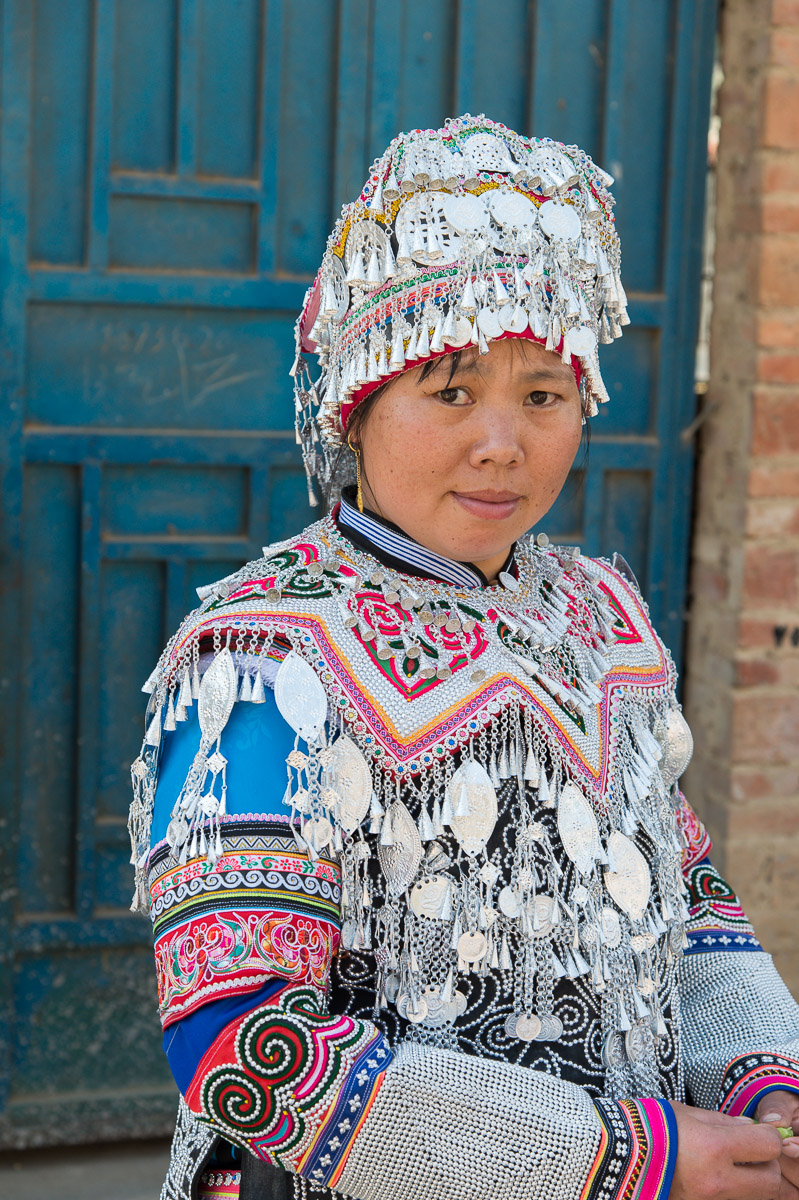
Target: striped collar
395,549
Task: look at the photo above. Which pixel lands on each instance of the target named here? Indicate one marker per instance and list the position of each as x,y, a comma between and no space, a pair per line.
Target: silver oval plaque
217,695
353,782
400,861
628,881
578,828
474,806
300,697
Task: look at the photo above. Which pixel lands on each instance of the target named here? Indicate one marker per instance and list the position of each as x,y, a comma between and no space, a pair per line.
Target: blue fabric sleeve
255,742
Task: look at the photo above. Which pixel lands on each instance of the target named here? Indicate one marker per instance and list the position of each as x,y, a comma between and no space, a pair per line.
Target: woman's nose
497,436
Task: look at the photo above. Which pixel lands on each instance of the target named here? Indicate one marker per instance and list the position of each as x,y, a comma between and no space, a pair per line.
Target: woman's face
466,465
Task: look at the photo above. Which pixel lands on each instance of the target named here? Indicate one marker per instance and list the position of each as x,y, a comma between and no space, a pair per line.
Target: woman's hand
782,1108
728,1158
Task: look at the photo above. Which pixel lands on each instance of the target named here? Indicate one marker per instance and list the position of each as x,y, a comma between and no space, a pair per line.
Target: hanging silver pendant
628,880
300,697
353,782
400,861
474,806
527,1029
578,828
217,695
432,897
677,744
472,946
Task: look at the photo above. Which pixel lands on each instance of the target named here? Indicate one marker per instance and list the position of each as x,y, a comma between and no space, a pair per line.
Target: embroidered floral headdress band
461,235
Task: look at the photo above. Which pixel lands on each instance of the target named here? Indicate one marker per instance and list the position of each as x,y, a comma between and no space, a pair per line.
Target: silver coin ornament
318,831
513,318
611,928
474,806
363,238
466,214
510,1025
578,828
635,1044
341,297
461,333
432,897
627,880
472,946
489,322
560,221
543,909
399,862
613,1051
217,695
353,782
300,697
487,153
528,1028
581,341
552,1028
509,902
512,210
460,1002
423,214
677,744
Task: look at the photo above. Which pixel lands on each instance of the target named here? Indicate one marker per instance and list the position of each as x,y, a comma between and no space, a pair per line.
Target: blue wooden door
169,170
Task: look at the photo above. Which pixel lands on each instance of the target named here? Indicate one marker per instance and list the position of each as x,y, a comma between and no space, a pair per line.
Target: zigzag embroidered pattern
716,921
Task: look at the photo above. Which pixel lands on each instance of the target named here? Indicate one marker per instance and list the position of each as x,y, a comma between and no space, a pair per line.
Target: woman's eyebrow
531,375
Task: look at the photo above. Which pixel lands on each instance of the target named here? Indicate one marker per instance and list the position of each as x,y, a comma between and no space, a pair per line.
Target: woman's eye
543,399
453,396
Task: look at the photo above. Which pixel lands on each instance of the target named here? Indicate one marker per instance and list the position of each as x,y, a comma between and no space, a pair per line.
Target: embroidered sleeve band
637,1153
749,1078
291,1084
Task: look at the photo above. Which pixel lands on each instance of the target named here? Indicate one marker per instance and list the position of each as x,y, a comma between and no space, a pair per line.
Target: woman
432,917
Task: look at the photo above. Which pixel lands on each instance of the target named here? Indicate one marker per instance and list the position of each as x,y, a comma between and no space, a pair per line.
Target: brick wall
742,667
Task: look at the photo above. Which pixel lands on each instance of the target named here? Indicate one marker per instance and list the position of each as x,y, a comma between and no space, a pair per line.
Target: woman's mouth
489,504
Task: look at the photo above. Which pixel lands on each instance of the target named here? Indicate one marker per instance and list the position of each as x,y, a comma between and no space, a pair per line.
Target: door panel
169,171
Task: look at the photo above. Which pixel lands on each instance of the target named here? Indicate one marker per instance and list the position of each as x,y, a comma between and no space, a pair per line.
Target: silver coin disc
429,897
544,907
489,322
581,341
510,1025
635,1044
318,831
613,1051
472,946
460,1002
513,318
528,1028
509,902
560,221
512,210
462,334
466,214
416,1010
611,928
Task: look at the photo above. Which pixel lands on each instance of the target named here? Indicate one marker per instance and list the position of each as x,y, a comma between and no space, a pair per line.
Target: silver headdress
461,235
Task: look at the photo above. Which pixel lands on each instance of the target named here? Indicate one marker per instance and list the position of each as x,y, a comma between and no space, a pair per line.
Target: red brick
774,480
772,518
779,269
779,213
769,578
764,728
781,116
775,427
778,366
785,12
708,583
780,172
755,672
761,784
755,634
778,329
746,823
785,47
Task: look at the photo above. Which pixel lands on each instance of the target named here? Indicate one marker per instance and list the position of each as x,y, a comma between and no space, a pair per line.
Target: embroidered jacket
481,942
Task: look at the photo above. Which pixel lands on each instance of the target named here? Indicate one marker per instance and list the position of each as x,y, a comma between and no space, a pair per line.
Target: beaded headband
461,236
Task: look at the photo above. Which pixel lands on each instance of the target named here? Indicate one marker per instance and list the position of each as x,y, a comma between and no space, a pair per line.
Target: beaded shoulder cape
494,770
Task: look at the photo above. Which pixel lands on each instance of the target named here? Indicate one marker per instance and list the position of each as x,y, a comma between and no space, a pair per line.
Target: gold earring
357,452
